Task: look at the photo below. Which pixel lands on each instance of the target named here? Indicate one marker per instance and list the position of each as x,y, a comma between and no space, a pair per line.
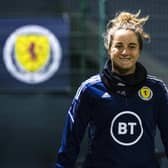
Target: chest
109,105
125,119
138,110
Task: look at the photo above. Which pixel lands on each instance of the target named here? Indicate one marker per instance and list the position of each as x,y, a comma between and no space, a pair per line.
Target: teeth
125,58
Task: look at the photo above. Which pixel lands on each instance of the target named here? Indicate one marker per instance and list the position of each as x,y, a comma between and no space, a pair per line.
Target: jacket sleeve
163,115
75,124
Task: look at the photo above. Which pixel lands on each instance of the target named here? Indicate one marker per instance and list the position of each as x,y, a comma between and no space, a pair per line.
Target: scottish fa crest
145,93
32,54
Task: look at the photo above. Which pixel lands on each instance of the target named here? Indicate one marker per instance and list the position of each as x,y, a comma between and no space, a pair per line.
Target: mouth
125,59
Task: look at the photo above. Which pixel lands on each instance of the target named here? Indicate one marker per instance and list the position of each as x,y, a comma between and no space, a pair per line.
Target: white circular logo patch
126,128
32,54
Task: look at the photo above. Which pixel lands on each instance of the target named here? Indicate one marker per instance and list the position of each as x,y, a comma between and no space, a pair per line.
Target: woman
121,106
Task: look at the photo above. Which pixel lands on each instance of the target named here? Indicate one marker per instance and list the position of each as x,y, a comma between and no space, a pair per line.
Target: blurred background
32,115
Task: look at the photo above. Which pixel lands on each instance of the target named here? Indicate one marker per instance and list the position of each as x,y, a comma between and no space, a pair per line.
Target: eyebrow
132,43
118,43
128,44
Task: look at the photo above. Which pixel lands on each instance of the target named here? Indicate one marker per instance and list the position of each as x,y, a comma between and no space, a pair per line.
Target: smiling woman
124,52
124,41
121,106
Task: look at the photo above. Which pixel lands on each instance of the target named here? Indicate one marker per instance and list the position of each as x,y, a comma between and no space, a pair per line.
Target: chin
125,69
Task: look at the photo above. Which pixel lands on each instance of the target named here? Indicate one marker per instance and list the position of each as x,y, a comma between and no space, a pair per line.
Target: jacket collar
124,85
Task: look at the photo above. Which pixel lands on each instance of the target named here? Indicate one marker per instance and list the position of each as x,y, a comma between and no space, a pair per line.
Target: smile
125,59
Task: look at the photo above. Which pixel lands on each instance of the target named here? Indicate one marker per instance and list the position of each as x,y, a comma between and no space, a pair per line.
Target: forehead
125,36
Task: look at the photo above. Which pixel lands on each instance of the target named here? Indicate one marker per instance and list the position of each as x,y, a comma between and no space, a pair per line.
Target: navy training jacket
121,129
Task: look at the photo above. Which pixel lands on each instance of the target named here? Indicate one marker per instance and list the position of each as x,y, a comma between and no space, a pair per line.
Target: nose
124,51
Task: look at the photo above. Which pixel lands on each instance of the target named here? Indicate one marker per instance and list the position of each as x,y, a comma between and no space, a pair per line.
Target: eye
132,46
119,46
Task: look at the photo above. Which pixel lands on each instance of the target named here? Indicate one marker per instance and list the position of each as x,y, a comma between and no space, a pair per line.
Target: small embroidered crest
145,93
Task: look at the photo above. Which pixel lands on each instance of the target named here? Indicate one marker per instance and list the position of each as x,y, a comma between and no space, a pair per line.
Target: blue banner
34,55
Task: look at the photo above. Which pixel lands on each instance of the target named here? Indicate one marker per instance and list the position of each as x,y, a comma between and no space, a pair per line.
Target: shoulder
154,79
85,85
157,82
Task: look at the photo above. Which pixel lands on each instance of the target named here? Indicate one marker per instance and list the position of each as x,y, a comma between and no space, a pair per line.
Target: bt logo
126,128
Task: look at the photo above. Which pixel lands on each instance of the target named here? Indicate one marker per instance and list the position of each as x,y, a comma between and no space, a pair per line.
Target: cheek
113,52
137,55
